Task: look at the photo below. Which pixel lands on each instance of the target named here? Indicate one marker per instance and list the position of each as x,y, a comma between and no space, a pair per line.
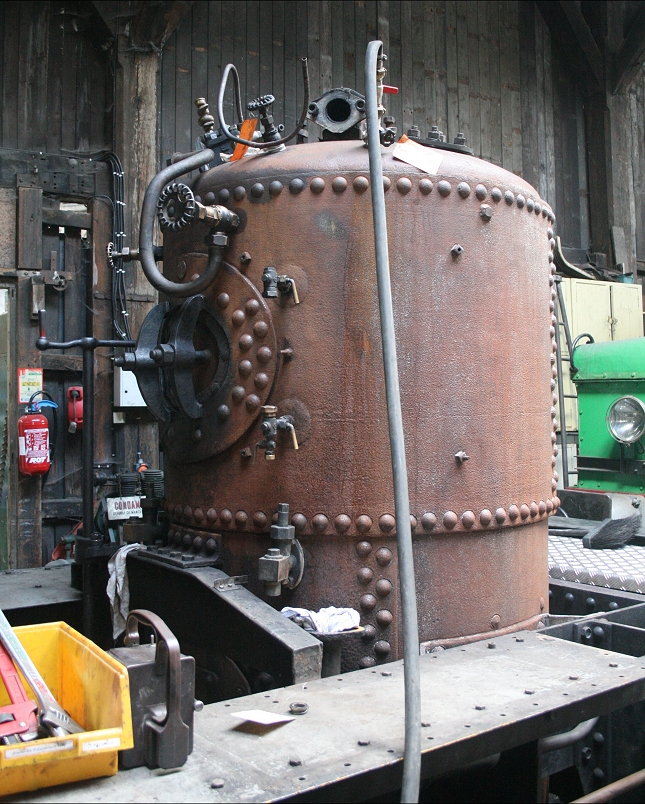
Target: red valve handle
388,90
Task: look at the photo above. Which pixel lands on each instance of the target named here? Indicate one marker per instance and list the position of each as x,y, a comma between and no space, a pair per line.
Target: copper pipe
613,790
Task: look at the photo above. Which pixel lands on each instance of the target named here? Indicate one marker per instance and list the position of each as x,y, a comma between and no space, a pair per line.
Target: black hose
412,753
231,68
590,339
146,229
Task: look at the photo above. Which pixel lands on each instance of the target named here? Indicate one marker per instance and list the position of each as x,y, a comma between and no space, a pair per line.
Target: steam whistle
271,425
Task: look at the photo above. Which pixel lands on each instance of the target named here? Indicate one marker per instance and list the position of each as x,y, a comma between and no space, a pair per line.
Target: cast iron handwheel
176,207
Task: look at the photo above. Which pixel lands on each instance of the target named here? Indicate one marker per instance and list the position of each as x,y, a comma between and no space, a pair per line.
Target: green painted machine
610,380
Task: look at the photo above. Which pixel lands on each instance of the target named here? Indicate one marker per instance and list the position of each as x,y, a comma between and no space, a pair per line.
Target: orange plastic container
93,688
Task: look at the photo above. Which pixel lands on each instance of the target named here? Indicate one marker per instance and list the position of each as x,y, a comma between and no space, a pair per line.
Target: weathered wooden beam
155,22
575,42
631,54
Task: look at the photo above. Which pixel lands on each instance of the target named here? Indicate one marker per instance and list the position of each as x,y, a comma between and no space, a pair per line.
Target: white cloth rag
331,620
118,589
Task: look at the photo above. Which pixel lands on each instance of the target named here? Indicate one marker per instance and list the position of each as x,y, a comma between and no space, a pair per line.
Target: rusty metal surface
475,338
349,745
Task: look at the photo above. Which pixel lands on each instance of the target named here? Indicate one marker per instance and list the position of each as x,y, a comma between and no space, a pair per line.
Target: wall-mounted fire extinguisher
33,437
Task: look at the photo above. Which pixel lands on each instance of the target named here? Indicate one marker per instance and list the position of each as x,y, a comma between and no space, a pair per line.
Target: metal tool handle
173,733
52,714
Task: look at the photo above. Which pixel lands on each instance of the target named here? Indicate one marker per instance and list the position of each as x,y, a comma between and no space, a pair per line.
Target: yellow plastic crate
93,688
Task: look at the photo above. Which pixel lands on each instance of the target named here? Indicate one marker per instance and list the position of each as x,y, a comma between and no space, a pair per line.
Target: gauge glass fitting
626,419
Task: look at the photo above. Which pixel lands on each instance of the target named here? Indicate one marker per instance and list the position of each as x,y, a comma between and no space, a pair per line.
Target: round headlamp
626,419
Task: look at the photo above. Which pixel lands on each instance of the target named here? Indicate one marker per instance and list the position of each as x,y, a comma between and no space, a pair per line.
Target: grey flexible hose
412,753
146,230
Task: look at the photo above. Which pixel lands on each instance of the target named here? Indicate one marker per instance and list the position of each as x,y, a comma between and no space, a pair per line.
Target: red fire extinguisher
33,439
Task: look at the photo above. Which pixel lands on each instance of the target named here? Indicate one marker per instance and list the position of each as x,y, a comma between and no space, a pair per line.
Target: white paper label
100,745
262,717
124,507
420,156
43,748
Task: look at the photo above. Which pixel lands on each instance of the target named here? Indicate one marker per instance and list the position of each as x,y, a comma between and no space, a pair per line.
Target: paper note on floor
263,718
421,156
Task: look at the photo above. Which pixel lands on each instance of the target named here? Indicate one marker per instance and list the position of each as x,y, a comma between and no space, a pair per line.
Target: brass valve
275,284
271,425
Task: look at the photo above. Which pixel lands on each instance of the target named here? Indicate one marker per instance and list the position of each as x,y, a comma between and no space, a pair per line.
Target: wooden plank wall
637,114
55,87
482,68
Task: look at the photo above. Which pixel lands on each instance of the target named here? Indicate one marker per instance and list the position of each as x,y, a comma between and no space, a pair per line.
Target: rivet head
211,546
245,368
319,523
554,484
382,648
383,556
520,201
463,188
223,301
238,318
363,524
296,186
496,194
509,197
537,209
199,515
549,506
363,549
241,518
533,509
260,519
225,517
468,519
530,203
413,523
542,508
368,602
342,523
260,329
339,184
261,381
238,393
425,186
252,307
361,184
500,516
364,575
369,633
384,618
387,183
552,244
428,522
386,523
245,343
239,193
366,661
403,185
223,412
264,354
556,502
275,188
211,516
187,540
549,232
223,195
317,185
257,190
524,511
450,519
545,212
252,403
513,512
383,587
495,620
196,436
481,192
550,259
299,521
188,512
444,188
485,517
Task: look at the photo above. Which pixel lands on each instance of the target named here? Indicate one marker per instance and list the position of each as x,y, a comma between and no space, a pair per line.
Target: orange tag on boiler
246,133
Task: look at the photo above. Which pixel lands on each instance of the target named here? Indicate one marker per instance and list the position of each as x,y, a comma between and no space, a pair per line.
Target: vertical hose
412,753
